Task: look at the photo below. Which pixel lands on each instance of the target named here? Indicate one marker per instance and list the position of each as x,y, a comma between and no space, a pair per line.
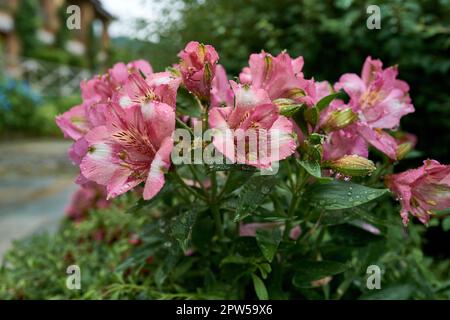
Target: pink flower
422,190
87,197
74,123
253,118
280,76
133,147
221,93
136,90
198,67
380,99
344,142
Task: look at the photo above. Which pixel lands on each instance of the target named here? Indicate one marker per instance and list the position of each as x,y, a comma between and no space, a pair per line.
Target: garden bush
18,107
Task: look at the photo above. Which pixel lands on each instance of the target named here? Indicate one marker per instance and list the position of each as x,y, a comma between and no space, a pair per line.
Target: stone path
36,183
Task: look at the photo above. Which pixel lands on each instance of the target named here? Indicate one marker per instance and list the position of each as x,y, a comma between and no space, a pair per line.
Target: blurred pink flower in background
87,197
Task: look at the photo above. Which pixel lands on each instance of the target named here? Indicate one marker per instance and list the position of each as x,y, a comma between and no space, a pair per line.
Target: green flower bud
287,107
351,165
403,149
339,119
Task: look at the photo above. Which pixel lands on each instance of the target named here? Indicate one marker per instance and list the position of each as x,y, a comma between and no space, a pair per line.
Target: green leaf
400,292
312,167
235,180
446,224
202,232
334,217
146,204
325,101
337,195
187,104
312,115
260,288
299,119
268,241
253,194
181,228
309,270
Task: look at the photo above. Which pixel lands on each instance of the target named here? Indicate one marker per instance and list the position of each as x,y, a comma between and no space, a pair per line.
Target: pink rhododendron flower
133,147
280,76
89,196
380,100
221,93
253,117
198,67
422,190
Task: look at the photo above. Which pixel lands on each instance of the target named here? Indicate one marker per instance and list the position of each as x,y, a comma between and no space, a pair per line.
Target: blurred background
42,63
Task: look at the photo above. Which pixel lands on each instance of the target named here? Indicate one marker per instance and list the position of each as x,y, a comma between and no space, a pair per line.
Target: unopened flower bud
296,93
403,149
351,165
339,119
286,106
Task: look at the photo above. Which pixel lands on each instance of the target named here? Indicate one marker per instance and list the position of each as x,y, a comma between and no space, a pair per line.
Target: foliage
18,104
27,23
136,255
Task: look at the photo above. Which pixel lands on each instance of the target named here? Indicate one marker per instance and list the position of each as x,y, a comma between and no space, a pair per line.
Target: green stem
185,126
224,188
183,184
214,205
301,180
213,198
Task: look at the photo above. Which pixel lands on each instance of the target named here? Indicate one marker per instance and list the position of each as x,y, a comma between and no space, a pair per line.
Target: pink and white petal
160,119
282,131
218,118
370,68
160,164
78,150
121,183
380,140
393,108
98,164
352,84
142,66
73,123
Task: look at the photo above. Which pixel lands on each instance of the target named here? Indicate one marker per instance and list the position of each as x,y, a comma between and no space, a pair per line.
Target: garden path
36,182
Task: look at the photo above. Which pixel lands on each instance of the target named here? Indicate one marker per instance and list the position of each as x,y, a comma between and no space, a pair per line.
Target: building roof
101,11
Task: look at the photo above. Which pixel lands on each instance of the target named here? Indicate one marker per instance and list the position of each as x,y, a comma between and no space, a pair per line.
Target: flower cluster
123,129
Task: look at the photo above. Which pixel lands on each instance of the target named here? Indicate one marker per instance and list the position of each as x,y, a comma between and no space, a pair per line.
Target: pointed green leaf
260,288
253,194
309,270
341,195
268,241
325,101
